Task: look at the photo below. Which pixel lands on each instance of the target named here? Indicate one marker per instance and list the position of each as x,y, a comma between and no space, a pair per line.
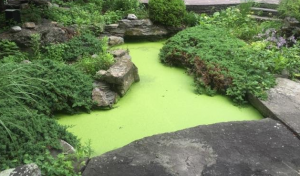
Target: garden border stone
283,103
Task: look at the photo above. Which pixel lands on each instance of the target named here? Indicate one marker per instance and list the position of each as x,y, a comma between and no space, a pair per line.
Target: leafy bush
8,48
239,22
191,18
57,87
290,8
54,51
167,12
33,13
122,5
67,89
282,57
26,134
292,56
78,13
220,62
274,38
112,16
35,46
83,44
101,61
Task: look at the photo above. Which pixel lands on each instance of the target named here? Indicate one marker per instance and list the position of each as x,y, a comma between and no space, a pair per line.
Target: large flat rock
256,148
121,75
137,29
283,103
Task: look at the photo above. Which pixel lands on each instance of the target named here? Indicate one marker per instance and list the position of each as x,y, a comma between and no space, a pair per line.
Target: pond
163,101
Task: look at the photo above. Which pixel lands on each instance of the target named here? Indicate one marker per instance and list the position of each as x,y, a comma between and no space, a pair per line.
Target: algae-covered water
163,101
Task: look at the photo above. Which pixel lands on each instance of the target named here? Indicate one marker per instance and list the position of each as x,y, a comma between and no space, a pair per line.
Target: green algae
163,101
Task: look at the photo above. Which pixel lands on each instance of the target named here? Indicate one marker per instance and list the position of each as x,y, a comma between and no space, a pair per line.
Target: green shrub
167,12
78,13
292,56
26,134
67,89
101,61
238,21
112,16
35,52
91,64
191,18
29,133
290,8
33,13
220,62
123,7
10,49
54,51
80,45
284,58
57,87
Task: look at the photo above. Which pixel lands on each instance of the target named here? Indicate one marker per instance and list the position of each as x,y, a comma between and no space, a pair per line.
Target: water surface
163,101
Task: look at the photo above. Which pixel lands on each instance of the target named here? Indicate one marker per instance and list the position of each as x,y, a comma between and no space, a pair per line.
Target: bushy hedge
290,8
80,45
29,93
220,62
81,49
55,87
122,5
167,12
25,132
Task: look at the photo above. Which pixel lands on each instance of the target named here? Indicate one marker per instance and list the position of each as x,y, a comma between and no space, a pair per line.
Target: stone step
264,18
264,12
264,9
268,5
283,103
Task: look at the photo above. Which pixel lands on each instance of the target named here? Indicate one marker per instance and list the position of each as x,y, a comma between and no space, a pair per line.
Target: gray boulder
258,148
55,5
132,29
291,27
26,62
29,25
24,6
283,103
111,26
119,52
125,23
25,170
49,33
115,40
67,148
121,75
16,29
131,17
103,96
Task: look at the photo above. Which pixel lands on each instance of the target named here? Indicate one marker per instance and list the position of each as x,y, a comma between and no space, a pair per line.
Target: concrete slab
257,148
283,103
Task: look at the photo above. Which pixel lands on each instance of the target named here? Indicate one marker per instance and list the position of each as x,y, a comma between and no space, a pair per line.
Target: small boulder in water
103,96
131,17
